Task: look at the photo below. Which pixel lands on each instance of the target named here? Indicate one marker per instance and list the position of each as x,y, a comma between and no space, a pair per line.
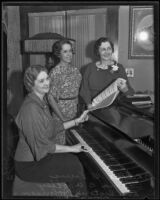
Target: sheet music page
107,96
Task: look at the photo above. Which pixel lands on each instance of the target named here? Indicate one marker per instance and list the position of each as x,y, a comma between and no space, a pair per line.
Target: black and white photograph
80,100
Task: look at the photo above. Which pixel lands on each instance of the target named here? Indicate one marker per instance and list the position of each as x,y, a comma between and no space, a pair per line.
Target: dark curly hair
31,74
57,46
98,44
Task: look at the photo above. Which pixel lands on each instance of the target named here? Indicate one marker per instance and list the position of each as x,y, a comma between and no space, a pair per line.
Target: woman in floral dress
65,82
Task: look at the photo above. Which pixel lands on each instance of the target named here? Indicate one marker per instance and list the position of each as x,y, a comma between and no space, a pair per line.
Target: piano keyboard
113,178
146,141
126,182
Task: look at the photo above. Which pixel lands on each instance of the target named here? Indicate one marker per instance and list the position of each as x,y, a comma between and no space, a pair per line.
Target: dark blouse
96,80
37,130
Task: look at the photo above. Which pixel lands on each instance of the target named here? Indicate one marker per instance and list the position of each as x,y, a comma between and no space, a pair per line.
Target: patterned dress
65,84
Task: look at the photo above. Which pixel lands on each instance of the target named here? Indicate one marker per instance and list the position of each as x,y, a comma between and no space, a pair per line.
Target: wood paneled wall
14,74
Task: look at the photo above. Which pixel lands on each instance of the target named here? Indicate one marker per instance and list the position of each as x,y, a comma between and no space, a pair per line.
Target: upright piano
121,160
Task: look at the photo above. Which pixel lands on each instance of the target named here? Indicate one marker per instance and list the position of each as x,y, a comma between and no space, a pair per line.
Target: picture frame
141,32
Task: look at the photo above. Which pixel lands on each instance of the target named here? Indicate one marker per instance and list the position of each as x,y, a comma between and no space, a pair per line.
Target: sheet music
107,96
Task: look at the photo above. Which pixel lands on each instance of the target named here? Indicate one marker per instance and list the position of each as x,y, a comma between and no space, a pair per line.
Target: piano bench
24,188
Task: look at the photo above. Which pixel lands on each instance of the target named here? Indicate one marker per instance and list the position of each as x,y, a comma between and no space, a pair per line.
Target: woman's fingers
84,116
85,148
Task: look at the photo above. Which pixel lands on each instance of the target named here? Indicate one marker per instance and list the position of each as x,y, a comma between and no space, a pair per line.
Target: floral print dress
64,87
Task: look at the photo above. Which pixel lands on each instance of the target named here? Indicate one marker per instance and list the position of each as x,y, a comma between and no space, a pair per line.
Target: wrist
124,89
76,121
69,149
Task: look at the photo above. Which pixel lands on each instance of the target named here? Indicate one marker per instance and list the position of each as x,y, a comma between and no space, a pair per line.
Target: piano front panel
113,154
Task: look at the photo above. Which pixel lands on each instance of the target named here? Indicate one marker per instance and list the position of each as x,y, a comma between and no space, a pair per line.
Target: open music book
107,96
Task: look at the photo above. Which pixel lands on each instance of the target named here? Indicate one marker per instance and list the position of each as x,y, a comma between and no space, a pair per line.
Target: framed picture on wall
141,32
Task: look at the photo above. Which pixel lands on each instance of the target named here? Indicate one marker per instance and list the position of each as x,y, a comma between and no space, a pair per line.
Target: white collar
114,66
101,66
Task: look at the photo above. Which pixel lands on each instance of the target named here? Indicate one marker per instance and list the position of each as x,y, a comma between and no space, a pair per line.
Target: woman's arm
77,121
73,149
31,122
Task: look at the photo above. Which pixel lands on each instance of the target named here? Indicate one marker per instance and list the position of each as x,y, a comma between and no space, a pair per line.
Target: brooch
114,68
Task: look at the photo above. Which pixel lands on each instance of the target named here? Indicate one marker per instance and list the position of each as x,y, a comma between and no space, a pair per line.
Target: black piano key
124,160
129,172
139,190
139,178
121,161
103,152
123,167
96,138
121,173
145,176
94,145
97,147
114,155
116,167
129,165
88,138
138,186
109,159
107,155
109,162
136,170
132,194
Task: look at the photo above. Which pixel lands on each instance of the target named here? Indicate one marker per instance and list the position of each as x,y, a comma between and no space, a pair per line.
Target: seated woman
101,74
38,158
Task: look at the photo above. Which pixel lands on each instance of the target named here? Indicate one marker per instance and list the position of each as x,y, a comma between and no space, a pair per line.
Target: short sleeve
30,121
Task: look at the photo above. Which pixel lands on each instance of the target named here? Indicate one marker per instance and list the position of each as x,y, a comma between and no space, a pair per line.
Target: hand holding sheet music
122,86
107,96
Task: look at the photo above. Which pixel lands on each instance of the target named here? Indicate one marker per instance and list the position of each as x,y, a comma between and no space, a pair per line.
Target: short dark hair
31,74
98,44
57,46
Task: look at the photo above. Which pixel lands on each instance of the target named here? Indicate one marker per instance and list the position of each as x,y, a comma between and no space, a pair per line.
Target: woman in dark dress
38,158
99,75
